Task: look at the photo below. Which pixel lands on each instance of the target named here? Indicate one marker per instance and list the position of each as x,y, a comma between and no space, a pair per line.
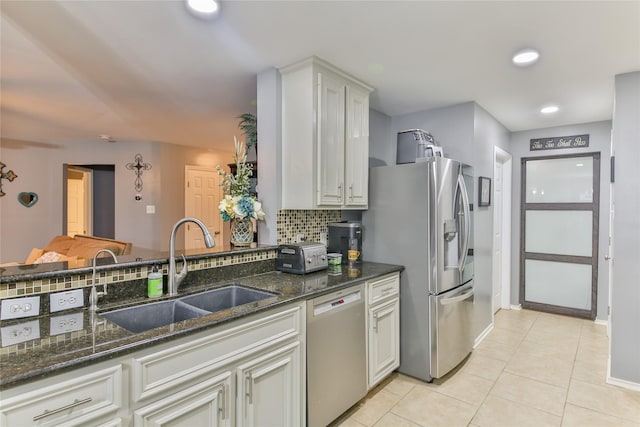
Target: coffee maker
345,237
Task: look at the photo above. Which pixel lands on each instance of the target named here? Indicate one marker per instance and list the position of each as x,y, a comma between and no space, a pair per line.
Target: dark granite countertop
99,339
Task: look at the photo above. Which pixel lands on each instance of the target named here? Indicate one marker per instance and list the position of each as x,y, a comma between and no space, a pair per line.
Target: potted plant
238,206
249,125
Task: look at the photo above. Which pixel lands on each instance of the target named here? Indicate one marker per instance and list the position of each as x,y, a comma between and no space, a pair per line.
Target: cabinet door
205,404
357,147
384,343
270,389
331,120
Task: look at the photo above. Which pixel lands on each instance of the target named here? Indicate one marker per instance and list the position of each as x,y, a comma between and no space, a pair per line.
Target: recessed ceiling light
549,109
204,8
525,57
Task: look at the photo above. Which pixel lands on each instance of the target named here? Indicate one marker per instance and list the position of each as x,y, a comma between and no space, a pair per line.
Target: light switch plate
20,332
16,308
66,323
66,300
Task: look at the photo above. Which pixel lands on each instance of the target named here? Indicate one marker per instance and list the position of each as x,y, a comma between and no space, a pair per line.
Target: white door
331,121
609,256
501,230
384,340
497,238
356,169
269,389
79,201
205,404
202,197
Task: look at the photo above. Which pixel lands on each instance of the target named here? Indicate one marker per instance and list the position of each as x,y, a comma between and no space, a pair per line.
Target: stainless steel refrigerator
421,216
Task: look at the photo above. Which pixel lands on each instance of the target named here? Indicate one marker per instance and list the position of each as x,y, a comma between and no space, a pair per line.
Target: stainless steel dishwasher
336,354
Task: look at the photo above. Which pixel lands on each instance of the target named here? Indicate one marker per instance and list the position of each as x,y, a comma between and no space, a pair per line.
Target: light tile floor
533,369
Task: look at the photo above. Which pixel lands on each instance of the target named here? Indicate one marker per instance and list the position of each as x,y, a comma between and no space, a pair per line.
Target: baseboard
601,322
483,335
515,307
623,383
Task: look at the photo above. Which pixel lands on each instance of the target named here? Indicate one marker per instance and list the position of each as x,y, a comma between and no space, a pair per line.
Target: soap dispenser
154,283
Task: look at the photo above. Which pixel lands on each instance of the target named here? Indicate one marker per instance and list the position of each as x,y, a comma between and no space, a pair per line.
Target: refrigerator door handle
456,299
467,221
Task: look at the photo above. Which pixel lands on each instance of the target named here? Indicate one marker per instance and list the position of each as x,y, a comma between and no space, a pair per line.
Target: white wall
269,152
39,169
599,141
625,295
488,134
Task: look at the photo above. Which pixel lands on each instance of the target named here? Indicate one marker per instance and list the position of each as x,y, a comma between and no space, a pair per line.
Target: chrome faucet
95,295
176,278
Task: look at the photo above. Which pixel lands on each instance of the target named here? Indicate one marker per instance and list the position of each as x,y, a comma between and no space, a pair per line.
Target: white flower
258,213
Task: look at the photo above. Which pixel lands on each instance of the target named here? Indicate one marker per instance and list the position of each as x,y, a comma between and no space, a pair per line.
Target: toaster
301,258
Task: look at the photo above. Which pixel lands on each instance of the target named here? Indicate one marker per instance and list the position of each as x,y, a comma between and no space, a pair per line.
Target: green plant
249,125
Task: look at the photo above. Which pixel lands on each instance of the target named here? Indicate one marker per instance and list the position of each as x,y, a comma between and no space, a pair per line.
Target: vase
241,232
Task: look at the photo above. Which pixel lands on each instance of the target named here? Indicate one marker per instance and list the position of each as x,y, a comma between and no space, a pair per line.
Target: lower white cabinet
204,404
71,400
383,325
249,372
269,388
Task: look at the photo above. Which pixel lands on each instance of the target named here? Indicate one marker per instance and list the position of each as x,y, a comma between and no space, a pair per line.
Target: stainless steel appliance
336,354
345,236
414,145
420,216
301,258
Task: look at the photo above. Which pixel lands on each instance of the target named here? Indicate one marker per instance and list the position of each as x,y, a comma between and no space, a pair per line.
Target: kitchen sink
145,317
224,298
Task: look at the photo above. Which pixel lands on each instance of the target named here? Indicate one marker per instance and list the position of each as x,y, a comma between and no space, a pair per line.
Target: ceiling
149,71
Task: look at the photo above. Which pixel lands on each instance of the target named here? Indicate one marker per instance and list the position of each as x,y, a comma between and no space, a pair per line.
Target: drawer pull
75,403
386,291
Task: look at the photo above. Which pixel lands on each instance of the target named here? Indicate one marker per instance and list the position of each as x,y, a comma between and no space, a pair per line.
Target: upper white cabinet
325,137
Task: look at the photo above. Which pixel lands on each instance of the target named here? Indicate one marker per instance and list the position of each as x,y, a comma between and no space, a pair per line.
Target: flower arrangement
238,203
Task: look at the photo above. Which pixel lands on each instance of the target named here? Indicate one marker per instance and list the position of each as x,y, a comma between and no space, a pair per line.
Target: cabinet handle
340,192
75,403
351,192
386,291
249,385
375,323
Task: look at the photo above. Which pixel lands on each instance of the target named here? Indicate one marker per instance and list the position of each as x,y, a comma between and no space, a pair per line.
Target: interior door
497,237
559,234
202,197
79,201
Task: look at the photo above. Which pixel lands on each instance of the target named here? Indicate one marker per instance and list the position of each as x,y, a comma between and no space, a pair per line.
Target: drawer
74,402
179,365
383,288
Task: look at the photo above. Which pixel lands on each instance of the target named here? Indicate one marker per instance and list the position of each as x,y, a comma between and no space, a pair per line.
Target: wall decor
484,196
27,199
556,142
138,167
9,176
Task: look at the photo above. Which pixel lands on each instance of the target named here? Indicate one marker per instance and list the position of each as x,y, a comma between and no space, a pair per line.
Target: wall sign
554,143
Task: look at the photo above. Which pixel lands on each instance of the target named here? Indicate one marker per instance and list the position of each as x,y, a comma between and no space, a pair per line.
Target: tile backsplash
311,223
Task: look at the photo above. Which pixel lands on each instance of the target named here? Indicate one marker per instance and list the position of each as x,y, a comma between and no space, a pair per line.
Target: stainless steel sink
224,298
145,317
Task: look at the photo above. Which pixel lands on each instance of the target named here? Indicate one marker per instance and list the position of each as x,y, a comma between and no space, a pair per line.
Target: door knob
607,257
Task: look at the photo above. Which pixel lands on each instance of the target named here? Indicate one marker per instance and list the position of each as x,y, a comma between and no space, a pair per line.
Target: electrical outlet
16,308
66,300
66,323
20,332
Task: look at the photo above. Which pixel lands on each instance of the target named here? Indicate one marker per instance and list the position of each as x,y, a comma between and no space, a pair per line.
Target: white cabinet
204,404
70,400
325,137
269,388
248,372
383,348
